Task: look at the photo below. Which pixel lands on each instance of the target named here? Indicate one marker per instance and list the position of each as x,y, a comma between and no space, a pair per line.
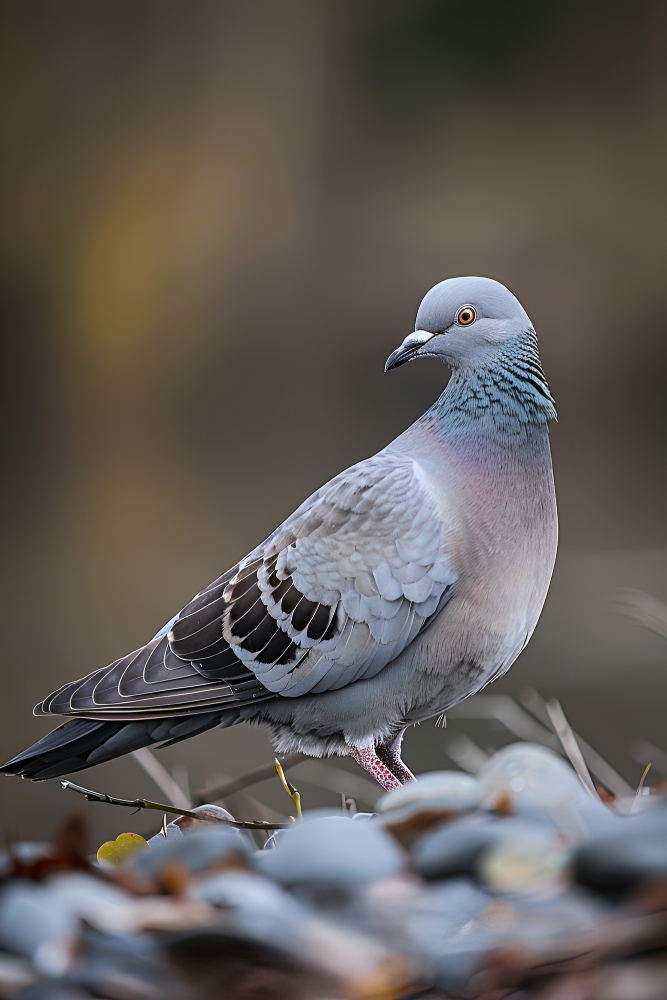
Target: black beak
408,349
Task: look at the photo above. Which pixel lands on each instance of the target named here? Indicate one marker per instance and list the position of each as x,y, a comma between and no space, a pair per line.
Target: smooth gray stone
455,848
29,917
617,861
331,849
196,850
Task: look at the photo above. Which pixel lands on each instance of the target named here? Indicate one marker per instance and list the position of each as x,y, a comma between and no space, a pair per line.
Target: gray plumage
402,586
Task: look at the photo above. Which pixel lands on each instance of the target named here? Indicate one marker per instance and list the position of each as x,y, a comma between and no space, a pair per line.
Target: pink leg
390,754
367,758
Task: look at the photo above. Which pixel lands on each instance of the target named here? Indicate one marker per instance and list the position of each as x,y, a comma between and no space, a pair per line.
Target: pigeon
404,585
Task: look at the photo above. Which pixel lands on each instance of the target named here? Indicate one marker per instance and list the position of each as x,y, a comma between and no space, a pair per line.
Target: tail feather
80,743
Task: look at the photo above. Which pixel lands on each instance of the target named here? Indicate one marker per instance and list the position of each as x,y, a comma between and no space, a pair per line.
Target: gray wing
153,682
331,597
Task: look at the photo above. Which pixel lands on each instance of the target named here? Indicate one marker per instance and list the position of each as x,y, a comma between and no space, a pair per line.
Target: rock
445,930
528,860
30,918
256,906
203,848
40,920
535,783
331,849
427,802
455,848
617,861
447,790
26,852
444,910
459,960
187,824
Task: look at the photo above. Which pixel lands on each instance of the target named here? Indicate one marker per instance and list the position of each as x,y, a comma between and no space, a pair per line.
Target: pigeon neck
510,395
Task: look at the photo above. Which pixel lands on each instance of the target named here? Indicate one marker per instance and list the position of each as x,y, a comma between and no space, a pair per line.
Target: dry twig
570,745
335,779
643,610
252,777
113,800
513,717
609,777
160,775
465,752
647,753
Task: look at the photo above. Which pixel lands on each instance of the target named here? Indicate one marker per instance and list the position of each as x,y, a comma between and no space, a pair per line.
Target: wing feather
331,597
369,549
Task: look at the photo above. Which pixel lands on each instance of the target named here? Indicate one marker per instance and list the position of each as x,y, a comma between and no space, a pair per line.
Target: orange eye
466,315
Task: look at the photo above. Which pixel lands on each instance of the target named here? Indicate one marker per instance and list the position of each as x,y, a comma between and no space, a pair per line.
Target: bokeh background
218,219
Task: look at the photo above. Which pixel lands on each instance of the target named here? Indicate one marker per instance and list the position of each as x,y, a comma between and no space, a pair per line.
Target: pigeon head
464,322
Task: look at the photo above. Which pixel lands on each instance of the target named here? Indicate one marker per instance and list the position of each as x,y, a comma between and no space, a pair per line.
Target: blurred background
218,219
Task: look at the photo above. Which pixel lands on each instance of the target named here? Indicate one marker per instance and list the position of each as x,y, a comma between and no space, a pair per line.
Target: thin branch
252,806
113,800
246,779
335,779
643,610
158,773
312,771
570,745
181,776
640,787
246,803
609,777
644,753
513,717
465,752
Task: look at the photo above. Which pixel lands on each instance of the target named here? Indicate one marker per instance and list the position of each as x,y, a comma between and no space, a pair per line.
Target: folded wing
331,597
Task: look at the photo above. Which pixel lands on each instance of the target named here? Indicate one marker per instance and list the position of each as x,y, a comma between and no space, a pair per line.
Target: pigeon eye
466,315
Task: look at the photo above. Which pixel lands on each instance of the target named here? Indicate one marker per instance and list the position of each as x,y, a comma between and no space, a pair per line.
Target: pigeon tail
81,743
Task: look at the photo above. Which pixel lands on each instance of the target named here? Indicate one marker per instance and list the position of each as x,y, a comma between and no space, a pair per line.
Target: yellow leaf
118,851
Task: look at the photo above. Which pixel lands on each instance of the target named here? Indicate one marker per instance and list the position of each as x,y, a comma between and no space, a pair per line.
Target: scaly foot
367,758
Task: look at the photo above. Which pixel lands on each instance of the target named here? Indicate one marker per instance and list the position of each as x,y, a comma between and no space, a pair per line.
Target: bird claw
367,758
